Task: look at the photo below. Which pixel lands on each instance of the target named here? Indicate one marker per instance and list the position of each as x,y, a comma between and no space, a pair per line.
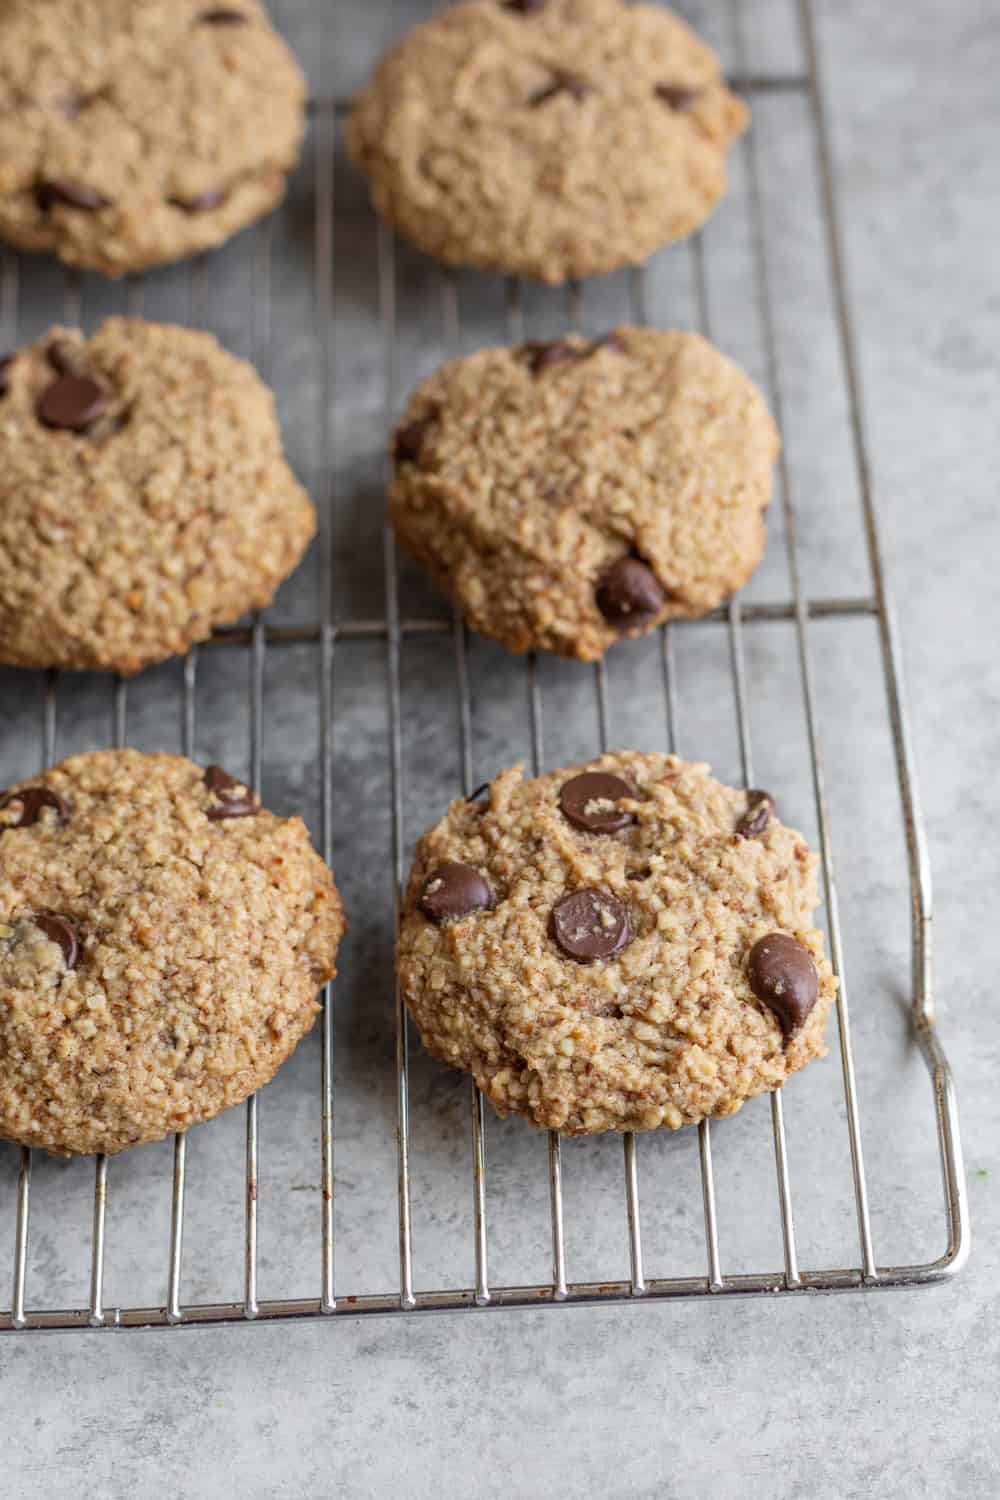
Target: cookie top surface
567,494
144,496
554,139
162,940
137,133
612,978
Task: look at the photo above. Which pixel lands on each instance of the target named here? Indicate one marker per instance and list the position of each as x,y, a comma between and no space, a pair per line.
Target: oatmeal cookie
136,133
566,494
144,496
549,138
162,940
621,945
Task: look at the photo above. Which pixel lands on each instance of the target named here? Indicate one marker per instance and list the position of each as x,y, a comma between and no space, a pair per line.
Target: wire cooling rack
323,644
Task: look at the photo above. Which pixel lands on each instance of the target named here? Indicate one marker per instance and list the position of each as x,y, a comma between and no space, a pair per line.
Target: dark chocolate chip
783,975
454,890
562,83
201,203
539,356
223,17
524,7
6,361
760,806
235,798
30,800
477,794
63,356
588,802
590,924
410,439
629,592
69,194
73,402
58,930
679,99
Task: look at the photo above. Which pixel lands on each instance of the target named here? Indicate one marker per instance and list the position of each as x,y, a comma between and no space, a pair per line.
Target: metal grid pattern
327,635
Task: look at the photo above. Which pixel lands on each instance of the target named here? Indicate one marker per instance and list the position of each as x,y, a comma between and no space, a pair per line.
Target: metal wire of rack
328,636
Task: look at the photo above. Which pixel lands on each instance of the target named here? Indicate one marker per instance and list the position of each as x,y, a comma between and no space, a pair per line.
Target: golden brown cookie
549,138
162,940
144,496
566,494
621,945
140,132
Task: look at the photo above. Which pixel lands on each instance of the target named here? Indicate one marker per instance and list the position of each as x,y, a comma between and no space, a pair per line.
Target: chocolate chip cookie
162,940
549,138
567,494
144,496
616,946
132,134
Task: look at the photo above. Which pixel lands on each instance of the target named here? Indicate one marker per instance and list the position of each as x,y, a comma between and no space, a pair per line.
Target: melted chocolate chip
6,361
410,439
235,798
201,203
30,801
588,802
562,83
629,592
58,930
760,806
783,975
223,17
454,890
524,7
539,356
679,99
70,194
590,924
73,403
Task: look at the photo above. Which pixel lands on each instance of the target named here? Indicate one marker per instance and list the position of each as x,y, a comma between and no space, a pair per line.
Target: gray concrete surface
884,1396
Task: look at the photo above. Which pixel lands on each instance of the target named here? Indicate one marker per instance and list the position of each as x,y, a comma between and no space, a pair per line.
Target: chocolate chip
63,356
236,799
590,924
69,194
6,363
760,806
223,17
587,801
524,7
629,592
73,402
202,203
539,357
478,793
410,439
783,975
454,890
58,930
30,800
679,99
562,83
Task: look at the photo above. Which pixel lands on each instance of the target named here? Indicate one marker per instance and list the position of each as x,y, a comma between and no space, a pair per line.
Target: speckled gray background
886,1395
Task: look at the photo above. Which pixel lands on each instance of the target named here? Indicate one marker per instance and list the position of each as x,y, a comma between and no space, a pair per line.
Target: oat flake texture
523,476
202,943
172,512
556,141
668,1031
134,132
